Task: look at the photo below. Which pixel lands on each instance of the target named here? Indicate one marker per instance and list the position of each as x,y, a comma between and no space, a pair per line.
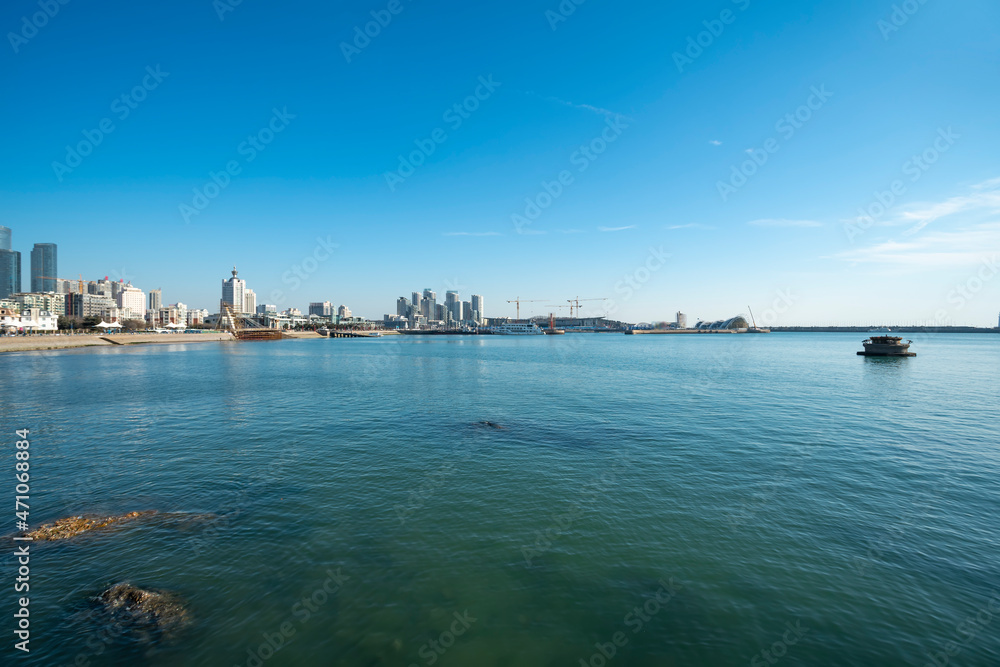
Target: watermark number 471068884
21,582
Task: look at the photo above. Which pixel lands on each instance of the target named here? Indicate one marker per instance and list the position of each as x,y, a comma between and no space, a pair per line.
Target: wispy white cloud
782,222
615,229
715,142
691,225
589,107
473,234
963,247
982,201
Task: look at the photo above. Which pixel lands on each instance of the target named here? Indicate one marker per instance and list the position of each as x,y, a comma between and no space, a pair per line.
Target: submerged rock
76,525
486,424
144,615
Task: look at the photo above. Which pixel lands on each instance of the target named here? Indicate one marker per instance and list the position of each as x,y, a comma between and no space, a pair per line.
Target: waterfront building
155,299
6,238
196,316
738,322
477,307
249,301
233,291
87,305
428,304
402,307
30,319
50,302
132,302
44,267
321,309
454,307
467,312
343,312
682,320
10,273
267,308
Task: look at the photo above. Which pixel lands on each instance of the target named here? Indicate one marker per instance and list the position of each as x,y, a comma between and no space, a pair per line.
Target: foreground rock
146,616
77,525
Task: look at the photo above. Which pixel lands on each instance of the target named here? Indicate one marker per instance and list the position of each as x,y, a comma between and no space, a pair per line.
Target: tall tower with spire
234,292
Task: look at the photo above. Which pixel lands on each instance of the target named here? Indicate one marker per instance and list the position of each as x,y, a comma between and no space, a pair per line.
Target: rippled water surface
670,500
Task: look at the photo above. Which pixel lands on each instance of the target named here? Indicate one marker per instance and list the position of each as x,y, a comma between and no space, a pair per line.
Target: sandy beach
53,342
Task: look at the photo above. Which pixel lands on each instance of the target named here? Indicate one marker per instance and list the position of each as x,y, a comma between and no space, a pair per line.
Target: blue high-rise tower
43,267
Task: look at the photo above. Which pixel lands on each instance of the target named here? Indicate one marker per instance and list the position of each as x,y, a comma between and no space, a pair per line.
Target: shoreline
45,343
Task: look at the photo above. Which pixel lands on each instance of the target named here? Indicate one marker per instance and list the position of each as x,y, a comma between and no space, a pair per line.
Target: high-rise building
10,273
477,307
249,301
403,307
232,291
266,308
155,299
321,309
132,303
44,267
428,304
102,288
453,305
344,312
6,238
440,312
467,311
682,320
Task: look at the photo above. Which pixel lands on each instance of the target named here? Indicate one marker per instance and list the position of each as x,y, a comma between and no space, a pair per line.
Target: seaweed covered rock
77,525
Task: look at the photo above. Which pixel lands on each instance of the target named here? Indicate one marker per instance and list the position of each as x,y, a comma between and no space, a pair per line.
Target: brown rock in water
147,615
76,525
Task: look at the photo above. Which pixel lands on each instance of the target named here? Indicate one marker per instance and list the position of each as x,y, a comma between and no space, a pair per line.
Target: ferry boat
518,329
886,346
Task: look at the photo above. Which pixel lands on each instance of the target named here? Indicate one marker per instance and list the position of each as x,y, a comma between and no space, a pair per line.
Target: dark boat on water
886,346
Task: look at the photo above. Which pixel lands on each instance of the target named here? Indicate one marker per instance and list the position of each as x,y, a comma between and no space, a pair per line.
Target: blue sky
787,241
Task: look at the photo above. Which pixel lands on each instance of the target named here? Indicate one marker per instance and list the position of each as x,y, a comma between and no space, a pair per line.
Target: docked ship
517,329
886,346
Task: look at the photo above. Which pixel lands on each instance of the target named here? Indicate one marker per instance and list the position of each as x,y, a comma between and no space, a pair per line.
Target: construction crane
519,301
577,301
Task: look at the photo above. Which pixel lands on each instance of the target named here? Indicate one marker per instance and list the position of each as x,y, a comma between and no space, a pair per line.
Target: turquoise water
729,487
